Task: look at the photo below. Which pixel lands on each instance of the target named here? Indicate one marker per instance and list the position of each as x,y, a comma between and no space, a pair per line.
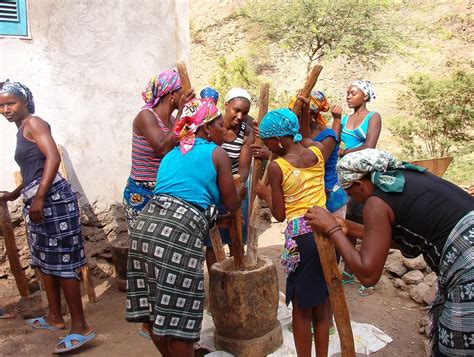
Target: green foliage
439,115
360,30
234,73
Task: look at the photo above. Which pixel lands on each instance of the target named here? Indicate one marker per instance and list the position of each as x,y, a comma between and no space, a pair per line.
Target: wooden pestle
255,202
236,233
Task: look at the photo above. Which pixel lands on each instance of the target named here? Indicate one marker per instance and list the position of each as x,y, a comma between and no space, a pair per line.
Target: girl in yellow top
297,183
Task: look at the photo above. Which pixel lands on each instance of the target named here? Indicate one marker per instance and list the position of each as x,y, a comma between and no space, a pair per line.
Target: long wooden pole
236,233
327,254
183,75
216,241
12,251
308,87
254,205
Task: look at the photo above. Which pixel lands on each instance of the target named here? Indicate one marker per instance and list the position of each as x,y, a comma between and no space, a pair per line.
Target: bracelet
335,228
334,231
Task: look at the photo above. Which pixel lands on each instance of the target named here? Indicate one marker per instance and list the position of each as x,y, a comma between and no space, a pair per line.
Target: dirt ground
398,317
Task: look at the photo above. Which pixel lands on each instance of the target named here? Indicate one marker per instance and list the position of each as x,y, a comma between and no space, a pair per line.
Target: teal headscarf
280,122
386,172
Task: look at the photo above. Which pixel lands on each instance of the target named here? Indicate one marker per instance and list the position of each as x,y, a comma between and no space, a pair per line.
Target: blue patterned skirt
56,243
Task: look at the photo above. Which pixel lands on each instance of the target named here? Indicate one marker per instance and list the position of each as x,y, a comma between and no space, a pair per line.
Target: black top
425,213
30,159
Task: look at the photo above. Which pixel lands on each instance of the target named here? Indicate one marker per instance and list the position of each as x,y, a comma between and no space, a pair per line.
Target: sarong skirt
165,280
56,243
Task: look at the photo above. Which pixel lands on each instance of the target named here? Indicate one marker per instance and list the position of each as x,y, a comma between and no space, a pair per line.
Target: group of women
181,180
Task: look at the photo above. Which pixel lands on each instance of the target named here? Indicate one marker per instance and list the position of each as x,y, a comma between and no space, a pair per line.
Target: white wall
86,64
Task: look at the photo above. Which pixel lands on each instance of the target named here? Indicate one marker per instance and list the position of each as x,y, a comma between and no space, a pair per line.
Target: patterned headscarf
210,92
280,122
237,93
21,91
366,87
196,113
160,85
318,103
383,167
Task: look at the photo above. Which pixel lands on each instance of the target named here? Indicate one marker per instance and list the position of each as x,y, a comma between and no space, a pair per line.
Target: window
13,21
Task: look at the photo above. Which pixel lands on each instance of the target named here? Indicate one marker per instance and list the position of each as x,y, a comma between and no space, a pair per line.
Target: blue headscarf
21,91
280,122
210,92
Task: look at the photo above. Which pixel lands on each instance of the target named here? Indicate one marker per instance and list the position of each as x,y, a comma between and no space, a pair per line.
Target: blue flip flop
68,342
42,324
144,334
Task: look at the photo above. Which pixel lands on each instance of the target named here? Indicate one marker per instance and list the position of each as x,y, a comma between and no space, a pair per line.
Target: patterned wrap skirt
452,312
135,197
165,280
56,243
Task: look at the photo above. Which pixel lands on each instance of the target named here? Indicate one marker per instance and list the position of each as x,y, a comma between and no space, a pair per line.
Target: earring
280,145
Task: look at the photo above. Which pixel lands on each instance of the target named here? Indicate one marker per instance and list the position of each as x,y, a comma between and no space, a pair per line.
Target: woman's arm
368,263
148,127
225,180
11,196
273,194
245,158
373,133
329,144
38,131
336,112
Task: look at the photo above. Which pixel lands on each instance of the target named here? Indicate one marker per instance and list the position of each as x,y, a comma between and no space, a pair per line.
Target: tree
439,114
360,30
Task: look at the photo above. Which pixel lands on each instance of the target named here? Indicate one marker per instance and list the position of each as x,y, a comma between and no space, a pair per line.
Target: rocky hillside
439,39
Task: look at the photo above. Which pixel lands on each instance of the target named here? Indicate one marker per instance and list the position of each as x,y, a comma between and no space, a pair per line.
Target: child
296,180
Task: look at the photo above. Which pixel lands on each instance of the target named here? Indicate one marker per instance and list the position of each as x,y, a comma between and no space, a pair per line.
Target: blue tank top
330,175
191,177
353,138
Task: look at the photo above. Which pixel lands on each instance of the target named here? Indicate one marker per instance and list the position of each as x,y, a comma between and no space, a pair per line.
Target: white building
86,62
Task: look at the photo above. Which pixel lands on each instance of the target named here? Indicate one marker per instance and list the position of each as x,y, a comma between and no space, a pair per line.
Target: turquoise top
191,177
353,138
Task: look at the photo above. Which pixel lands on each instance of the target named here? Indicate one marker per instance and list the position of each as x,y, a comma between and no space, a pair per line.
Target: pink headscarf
196,113
160,85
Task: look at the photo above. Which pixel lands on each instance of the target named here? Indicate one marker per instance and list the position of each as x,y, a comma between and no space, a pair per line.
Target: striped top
234,147
145,162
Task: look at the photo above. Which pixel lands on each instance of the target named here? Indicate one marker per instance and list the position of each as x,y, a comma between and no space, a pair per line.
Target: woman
238,139
314,126
52,215
165,262
358,131
152,139
419,213
361,129
296,180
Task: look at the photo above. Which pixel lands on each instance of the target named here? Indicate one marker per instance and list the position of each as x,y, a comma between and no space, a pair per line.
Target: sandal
41,324
68,342
347,278
144,334
365,290
6,315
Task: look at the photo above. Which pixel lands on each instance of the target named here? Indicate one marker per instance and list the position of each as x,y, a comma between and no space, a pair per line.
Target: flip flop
349,278
365,290
68,342
144,334
6,315
42,324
